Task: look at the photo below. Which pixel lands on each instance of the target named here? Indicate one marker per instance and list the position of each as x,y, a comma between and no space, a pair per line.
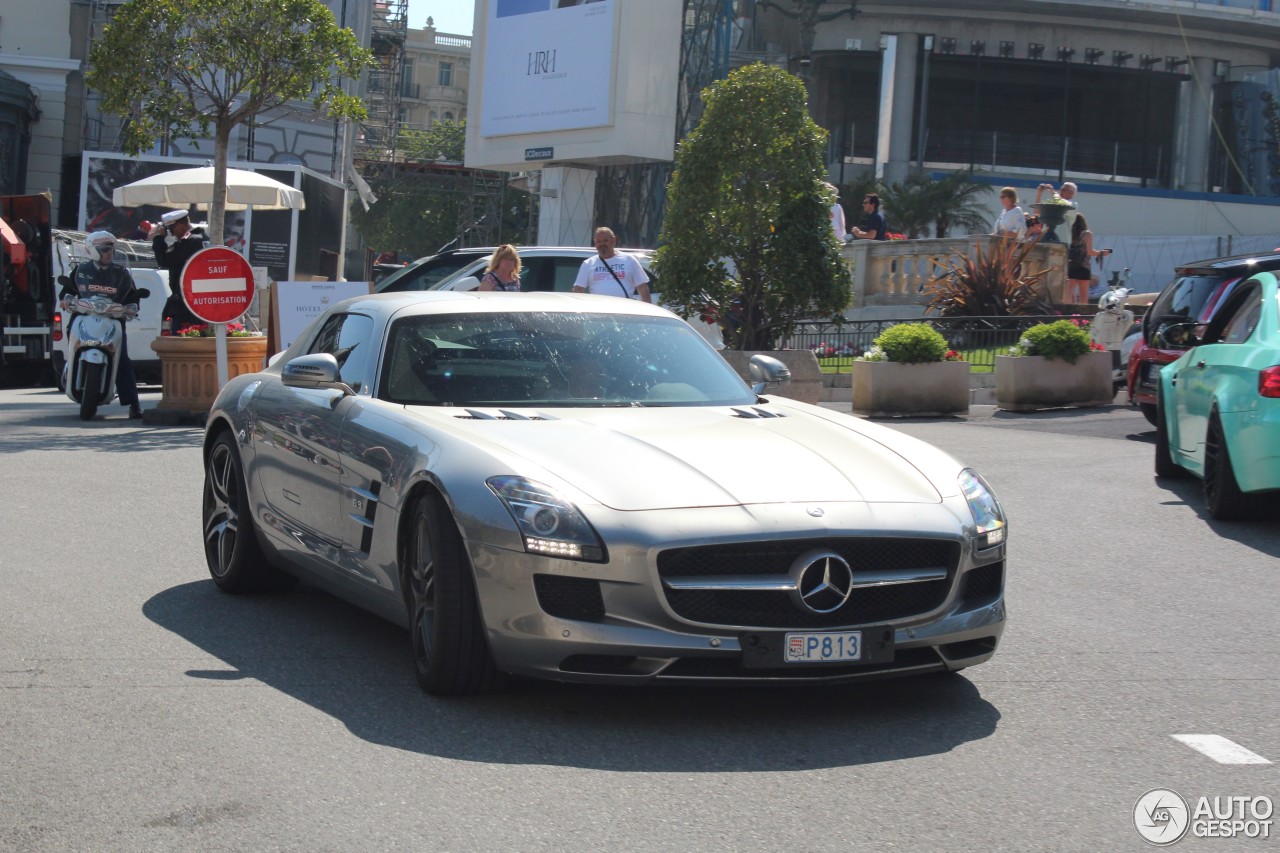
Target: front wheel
231,550
1222,493
450,654
92,393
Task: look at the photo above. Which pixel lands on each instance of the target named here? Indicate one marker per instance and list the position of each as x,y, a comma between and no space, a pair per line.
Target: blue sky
452,16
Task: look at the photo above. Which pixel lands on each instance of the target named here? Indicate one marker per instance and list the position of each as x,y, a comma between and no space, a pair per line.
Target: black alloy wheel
231,549
450,654
1222,493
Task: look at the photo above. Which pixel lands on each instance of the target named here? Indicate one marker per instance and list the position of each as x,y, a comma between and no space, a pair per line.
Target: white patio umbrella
183,187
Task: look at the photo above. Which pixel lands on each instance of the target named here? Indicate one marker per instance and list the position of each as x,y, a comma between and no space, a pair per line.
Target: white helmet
97,240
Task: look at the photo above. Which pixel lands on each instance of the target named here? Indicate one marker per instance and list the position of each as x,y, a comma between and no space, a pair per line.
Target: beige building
434,77
35,64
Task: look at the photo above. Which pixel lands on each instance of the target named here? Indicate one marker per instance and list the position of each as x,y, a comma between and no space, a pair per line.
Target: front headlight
988,517
549,524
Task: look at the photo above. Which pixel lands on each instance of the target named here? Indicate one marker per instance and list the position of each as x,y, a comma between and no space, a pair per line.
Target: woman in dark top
1079,253
503,271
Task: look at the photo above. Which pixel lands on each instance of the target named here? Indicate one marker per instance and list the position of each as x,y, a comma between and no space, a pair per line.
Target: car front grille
778,609
983,584
569,598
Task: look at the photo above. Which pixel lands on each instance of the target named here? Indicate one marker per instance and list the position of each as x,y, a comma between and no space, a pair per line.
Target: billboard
582,82
549,68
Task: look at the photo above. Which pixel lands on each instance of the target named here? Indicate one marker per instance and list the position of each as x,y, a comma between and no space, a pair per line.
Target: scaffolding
98,132
380,131
631,199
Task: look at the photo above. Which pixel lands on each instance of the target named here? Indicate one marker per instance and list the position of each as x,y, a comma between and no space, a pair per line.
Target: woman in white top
503,270
1012,221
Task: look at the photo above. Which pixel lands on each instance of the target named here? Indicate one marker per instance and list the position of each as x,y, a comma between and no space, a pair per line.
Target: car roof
1233,264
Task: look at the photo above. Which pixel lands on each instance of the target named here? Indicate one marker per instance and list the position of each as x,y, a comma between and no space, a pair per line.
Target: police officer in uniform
100,276
174,244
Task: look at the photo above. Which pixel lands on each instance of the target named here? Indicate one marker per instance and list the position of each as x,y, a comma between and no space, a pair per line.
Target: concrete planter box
806,375
189,368
887,388
1030,382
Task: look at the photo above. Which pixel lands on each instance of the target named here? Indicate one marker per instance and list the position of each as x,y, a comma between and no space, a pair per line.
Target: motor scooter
1111,326
96,332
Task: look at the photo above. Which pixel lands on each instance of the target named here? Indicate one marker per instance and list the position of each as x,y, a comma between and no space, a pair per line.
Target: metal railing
978,339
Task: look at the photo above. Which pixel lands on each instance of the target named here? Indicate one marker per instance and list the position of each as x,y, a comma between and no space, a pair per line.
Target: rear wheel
1165,466
92,392
231,550
1149,412
450,653
1221,491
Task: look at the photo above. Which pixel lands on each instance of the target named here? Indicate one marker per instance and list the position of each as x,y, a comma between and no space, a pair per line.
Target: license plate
829,646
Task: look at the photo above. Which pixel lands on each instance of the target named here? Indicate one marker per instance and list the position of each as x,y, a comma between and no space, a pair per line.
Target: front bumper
616,622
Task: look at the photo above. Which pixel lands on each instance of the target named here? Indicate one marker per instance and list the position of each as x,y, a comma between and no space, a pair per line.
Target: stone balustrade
895,272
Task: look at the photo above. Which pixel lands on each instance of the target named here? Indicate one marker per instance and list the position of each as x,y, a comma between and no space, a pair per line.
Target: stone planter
189,368
1030,382
806,375
884,389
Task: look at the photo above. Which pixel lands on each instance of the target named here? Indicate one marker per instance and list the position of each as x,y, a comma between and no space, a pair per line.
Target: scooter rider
100,276
174,244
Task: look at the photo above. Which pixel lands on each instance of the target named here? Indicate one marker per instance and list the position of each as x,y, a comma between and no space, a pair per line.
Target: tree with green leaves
445,140
747,232
199,69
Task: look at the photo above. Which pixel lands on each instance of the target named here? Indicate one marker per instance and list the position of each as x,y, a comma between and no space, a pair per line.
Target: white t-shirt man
594,275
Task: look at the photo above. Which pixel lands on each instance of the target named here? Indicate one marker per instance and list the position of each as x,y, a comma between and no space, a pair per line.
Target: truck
35,257
27,290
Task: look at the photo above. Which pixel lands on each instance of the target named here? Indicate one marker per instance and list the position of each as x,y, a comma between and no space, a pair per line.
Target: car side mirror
1177,336
766,370
317,370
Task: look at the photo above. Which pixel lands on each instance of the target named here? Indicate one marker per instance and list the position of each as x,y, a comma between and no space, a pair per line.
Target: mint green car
1218,406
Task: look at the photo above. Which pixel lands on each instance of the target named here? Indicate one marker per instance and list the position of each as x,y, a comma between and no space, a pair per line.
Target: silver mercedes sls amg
580,488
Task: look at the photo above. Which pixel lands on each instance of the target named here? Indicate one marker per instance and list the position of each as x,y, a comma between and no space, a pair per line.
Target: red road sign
217,284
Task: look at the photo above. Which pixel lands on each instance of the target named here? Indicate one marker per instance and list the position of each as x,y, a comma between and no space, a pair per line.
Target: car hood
673,457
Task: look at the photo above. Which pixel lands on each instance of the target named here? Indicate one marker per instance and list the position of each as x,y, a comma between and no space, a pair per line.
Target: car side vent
756,412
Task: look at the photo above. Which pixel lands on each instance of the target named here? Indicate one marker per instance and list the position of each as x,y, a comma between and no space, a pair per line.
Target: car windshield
552,359
1190,299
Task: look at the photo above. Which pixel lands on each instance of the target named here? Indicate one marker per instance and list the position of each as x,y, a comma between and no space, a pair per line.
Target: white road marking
1221,750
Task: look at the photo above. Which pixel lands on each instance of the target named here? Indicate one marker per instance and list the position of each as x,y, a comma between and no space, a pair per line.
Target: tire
92,393
1222,493
450,654
1149,412
58,362
1165,466
231,549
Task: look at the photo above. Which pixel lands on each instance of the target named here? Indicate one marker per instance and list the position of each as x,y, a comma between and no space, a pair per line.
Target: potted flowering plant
910,370
189,364
1054,364
1053,212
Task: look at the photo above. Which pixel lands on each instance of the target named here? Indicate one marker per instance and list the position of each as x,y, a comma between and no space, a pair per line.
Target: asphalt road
143,710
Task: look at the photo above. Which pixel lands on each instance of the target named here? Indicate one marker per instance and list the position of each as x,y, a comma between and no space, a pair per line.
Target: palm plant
922,206
960,205
996,282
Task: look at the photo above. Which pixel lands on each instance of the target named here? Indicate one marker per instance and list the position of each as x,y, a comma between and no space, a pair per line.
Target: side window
346,337
534,274
566,274
1241,326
